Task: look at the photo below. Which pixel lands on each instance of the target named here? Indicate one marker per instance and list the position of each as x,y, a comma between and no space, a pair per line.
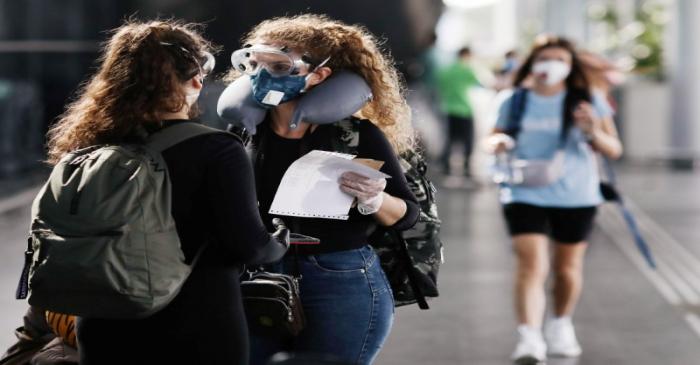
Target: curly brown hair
142,70
353,48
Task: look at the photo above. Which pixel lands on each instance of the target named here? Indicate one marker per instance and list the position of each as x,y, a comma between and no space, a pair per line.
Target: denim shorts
348,304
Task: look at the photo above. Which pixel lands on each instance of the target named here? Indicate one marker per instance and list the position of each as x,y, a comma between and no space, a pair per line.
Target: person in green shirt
454,82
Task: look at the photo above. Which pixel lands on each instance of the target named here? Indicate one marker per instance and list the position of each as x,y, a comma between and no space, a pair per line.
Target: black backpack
411,259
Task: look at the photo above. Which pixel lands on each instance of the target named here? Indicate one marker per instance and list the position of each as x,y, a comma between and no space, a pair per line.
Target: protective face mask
192,94
556,71
270,91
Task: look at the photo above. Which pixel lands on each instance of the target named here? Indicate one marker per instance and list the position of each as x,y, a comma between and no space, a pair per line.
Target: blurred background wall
47,47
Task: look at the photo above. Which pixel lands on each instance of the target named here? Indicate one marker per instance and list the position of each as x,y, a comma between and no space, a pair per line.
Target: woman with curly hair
149,78
345,294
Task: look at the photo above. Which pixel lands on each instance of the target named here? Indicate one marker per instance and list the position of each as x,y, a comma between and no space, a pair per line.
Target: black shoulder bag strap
515,114
259,151
410,272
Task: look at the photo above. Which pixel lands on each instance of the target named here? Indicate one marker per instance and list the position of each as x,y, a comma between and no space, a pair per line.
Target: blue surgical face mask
270,91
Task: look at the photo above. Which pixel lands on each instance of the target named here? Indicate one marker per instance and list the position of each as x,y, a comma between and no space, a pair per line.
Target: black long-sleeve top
335,235
214,201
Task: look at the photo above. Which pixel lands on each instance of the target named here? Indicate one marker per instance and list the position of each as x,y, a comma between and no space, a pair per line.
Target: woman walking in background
556,125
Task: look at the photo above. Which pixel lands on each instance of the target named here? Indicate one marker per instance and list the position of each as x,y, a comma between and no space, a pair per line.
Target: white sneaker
561,338
531,348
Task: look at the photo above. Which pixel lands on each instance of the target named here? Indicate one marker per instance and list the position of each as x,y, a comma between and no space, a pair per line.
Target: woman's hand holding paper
369,192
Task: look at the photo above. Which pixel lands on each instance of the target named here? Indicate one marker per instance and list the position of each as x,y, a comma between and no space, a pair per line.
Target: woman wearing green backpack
149,80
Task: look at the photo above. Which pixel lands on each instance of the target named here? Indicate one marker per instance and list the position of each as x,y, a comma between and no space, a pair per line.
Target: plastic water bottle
500,169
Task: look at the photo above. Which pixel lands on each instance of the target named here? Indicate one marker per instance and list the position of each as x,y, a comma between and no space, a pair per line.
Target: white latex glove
499,143
369,192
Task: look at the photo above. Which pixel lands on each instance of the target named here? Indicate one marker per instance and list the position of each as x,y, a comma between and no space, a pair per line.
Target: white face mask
192,96
556,71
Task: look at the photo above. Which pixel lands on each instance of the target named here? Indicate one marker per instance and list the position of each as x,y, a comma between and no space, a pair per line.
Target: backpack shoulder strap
517,108
172,135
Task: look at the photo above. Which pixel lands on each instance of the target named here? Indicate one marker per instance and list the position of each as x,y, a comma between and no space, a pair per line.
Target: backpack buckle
30,250
78,160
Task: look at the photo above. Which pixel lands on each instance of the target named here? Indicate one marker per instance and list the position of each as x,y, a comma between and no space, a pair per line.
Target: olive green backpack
102,240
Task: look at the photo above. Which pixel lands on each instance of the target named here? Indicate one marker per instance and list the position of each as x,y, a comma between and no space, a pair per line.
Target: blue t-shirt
539,138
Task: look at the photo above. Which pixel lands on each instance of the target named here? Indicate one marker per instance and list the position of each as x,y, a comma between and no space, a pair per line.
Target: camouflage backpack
410,259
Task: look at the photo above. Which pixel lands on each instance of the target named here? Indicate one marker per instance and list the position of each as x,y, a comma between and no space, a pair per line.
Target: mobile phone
300,239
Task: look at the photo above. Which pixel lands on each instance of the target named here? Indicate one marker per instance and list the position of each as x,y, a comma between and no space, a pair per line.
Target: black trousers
459,129
204,325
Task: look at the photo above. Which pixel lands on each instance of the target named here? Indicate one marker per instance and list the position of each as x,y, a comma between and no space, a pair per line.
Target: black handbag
272,303
609,192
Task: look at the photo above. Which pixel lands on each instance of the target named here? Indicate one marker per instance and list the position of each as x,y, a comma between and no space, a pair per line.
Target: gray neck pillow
338,97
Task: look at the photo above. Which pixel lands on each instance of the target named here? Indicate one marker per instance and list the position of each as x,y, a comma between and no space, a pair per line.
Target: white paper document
310,187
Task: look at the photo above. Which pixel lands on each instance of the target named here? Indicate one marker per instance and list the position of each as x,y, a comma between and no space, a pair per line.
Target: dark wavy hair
578,85
141,71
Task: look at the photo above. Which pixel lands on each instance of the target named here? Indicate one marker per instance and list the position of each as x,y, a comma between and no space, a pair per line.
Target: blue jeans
348,304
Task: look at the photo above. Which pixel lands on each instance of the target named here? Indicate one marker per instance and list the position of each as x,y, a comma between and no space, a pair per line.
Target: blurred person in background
604,75
149,79
560,123
346,297
505,74
429,61
511,63
454,82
